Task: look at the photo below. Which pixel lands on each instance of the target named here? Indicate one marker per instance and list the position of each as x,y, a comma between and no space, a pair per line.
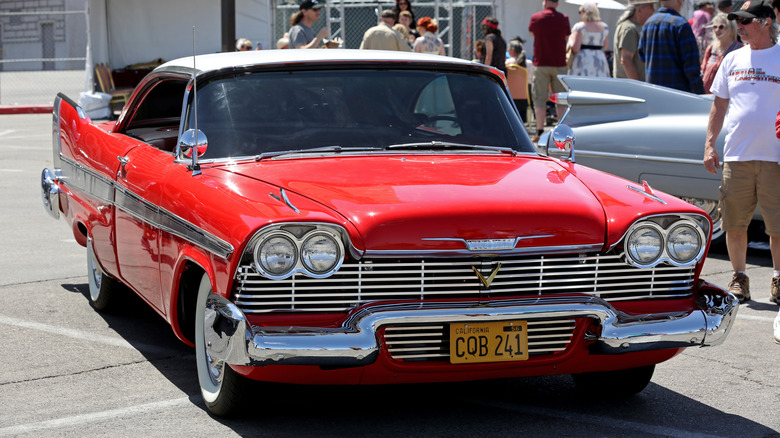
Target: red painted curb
25,109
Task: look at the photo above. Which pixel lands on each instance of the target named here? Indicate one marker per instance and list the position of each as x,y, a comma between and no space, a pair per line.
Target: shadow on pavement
541,406
137,323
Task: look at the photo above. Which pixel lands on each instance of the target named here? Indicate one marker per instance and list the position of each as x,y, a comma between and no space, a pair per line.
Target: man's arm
627,61
689,52
488,51
714,126
313,44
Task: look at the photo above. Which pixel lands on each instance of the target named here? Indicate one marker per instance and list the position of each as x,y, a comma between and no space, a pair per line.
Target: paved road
69,371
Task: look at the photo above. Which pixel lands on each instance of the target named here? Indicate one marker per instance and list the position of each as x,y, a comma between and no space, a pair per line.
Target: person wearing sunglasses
670,51
724,41
747,97
301,34
406,5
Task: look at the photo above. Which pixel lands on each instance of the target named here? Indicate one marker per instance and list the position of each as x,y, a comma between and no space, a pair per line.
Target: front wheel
222,388
102,288
621,383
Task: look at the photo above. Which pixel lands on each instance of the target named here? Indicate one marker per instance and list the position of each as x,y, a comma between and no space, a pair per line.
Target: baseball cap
753,9
311,4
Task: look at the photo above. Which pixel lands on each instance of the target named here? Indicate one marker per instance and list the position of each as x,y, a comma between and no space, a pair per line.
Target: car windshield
366,109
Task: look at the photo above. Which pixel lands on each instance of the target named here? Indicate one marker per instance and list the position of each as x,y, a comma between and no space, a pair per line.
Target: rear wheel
102,288
712,208
621,383
222,388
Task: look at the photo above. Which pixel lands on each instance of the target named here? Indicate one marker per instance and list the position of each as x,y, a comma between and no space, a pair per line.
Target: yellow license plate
488,342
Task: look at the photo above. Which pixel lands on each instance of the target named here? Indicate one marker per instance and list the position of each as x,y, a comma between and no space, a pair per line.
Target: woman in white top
428,41
589,39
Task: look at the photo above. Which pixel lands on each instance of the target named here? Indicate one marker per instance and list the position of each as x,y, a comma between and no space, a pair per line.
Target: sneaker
777,328
740,287
774,291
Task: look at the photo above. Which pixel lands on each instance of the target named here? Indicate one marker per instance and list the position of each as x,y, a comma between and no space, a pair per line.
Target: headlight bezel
339,249
647,225
297,234
666,225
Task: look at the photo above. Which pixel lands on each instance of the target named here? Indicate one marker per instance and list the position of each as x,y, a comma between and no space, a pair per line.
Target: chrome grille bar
359,282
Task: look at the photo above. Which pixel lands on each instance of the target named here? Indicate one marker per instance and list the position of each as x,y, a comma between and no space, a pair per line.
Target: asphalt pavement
70,371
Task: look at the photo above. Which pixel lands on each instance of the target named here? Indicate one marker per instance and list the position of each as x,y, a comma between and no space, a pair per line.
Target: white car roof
218,61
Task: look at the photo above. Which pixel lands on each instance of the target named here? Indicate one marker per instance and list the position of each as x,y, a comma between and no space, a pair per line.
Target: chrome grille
356,283
431,342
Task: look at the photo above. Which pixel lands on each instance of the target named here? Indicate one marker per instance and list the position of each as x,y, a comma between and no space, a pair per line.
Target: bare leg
774,246
737,242
560,109
541,117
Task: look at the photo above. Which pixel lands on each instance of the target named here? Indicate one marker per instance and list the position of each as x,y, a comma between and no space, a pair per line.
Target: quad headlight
277,255
314,250
645,244
678,240
320,252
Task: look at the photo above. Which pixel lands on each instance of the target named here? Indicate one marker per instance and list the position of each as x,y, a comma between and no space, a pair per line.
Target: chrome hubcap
215,366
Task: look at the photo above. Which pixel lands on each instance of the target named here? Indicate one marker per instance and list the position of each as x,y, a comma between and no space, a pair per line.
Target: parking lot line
82,335
113,414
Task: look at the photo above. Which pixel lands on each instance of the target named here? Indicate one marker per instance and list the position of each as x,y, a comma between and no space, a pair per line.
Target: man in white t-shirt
747,86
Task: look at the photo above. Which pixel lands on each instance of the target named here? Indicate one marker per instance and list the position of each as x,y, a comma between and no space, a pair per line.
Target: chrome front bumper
230,337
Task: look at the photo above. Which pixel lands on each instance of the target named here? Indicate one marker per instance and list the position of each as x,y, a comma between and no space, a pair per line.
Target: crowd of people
730,51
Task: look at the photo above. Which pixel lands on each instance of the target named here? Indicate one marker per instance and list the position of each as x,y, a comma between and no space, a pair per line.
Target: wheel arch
80,232
189,271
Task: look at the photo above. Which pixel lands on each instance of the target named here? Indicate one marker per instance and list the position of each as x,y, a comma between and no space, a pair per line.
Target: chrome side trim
583,153
163,219
86,180
233,339
541,250
107,191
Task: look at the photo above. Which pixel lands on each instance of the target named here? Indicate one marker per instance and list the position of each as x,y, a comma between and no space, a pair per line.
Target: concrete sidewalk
33,92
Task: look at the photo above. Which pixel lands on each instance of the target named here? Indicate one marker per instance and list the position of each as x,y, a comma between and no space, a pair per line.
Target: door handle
122,163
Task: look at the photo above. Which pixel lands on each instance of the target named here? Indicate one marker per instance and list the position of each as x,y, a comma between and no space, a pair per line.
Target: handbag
569,57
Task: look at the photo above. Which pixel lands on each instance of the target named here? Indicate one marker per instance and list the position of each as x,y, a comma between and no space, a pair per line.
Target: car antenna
195,166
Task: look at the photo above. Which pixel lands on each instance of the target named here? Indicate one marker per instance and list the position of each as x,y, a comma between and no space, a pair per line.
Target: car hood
420,202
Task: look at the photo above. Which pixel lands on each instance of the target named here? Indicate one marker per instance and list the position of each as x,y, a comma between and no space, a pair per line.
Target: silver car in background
643,132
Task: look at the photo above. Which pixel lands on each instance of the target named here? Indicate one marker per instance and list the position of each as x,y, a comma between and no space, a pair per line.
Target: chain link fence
43,43
43,51
347,20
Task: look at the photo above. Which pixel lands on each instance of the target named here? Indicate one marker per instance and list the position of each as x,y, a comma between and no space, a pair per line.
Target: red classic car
359,217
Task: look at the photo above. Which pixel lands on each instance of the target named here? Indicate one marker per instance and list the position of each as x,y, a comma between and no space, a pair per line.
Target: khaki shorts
544,78
745,184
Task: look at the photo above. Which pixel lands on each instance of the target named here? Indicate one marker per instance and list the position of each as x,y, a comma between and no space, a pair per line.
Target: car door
140,184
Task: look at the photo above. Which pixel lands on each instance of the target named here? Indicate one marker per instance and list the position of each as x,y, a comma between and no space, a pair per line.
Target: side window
156,120
435,103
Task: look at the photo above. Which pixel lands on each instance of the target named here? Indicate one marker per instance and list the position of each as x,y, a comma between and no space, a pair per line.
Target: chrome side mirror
193,139
562,147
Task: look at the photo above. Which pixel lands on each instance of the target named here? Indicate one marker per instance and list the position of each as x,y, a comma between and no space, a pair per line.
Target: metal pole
228,25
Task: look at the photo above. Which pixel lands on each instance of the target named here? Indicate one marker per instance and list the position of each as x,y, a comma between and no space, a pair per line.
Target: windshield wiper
334,149
434,145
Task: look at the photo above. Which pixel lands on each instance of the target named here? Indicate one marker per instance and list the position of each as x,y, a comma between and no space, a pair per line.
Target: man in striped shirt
668,48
